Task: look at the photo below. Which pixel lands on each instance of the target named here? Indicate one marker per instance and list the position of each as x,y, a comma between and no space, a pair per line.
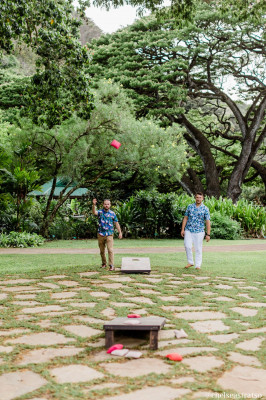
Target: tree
85,155
178,75
59,85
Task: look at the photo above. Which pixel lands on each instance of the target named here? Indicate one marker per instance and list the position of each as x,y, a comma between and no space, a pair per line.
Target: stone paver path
52,338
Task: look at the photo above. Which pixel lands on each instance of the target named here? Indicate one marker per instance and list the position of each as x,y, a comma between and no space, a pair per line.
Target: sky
114,19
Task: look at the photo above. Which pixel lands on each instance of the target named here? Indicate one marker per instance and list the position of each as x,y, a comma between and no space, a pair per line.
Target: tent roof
60,184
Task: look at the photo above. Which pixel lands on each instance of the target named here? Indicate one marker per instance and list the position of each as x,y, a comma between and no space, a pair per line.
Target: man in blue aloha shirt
107,219
193,230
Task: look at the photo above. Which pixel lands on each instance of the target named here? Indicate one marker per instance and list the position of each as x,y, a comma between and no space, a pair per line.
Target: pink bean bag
174,357
115,144
115,347
134,316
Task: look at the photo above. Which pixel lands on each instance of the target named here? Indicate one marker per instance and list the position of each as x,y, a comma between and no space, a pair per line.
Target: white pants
195,239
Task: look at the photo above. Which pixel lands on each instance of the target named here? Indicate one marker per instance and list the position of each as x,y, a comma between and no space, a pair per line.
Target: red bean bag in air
115,144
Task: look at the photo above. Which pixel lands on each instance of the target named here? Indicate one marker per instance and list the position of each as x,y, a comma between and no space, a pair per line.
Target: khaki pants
108,241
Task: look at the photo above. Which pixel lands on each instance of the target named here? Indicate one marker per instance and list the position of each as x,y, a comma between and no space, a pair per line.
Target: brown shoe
189,265
103,265
111,268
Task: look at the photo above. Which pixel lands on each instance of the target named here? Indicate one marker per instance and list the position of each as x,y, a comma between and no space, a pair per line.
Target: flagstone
129,305
184,379
185,308
223,338
81,330
3,296
173,342
43,355
209,326
138,367
120,278
14,331
99,343
101,356
55,277
49,285
143,300
89,273
41,339
191,315
166,334
223,286
108,312
245,295
25,303
199,278
112,285
91,320
154,393
59,313
254,304
223,298
184,351
75,373
154,280
249,287
83,305
246,360
169,298
140,311
244,380
6,349
203,363
41,309
203,394
45,323
207,293
25,296
246,312
63,295
149,291
100,294
257,330
101,386
68,283
15,384
17,281
253,344
19,288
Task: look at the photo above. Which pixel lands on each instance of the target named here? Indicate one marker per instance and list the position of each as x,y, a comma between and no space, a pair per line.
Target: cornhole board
150,324
136,265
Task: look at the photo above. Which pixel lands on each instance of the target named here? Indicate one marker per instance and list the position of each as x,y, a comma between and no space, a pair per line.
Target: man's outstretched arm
94,211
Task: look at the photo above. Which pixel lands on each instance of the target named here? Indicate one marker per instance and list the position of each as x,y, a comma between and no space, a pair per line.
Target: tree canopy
208,77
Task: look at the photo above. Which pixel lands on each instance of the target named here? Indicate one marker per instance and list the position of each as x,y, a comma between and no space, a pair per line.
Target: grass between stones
227,284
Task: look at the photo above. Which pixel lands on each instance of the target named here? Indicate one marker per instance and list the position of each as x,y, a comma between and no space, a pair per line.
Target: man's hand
94,202
182,233
207,238
120,235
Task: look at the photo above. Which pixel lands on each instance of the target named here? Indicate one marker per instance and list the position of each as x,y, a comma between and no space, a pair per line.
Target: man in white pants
193,230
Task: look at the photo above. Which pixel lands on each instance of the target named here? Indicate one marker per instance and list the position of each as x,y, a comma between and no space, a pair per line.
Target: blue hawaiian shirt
106,222
196,218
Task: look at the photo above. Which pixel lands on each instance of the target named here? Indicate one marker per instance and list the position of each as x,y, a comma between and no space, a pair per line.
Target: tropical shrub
20,239
223,227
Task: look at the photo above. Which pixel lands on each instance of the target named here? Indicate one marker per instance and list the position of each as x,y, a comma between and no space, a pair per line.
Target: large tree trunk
201,145
191,183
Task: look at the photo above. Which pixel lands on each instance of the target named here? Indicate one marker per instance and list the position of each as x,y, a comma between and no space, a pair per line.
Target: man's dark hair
199,193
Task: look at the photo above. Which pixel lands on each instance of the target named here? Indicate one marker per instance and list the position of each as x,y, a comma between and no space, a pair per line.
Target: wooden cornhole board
151,324
136,265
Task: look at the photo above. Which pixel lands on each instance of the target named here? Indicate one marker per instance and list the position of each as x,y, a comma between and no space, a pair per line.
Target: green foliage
223,227
59,85
20,239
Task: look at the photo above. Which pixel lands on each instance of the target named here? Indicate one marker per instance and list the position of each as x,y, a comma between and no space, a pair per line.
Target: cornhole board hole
150,324
136,265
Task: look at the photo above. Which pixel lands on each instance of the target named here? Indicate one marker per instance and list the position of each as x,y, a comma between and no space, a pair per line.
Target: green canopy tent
46,188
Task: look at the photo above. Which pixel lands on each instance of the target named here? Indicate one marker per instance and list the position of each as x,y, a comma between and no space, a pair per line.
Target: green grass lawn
127,243
250,265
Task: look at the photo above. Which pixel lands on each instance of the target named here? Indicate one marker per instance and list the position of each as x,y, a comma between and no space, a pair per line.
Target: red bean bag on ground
174,357
134,316
115,347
